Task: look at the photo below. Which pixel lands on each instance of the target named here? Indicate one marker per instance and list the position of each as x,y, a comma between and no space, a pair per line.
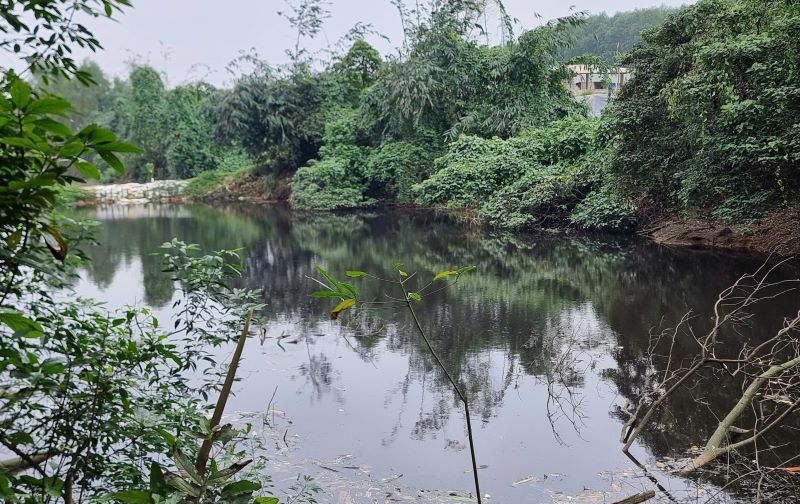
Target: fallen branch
638,498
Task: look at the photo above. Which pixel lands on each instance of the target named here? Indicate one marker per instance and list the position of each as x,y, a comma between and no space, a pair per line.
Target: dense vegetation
173,128
708,123
711,119
94,403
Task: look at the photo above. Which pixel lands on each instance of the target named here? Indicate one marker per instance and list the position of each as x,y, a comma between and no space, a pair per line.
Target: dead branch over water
767,371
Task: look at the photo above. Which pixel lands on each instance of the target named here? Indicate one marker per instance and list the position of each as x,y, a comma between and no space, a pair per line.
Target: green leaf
121,147
166,436
225,434
414,296
327,276
113,161
56,127
326,294
132,497
356,274
444,274
102,137
185,465
344,305
229,471
52,366
18,142
20,93
240,487
266,500
88,170
49,105
350,289
158,485
182,485
17,322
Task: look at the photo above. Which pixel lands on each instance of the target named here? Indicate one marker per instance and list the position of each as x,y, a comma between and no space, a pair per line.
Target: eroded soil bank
778,233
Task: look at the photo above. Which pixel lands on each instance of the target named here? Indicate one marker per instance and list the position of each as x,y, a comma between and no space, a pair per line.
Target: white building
590,79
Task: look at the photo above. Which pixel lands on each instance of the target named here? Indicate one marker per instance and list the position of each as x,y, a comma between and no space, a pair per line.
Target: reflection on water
366,386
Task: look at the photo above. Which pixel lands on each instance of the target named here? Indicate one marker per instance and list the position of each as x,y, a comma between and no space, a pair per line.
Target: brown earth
778,233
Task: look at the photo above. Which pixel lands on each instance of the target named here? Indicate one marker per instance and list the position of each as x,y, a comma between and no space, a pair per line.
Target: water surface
366,388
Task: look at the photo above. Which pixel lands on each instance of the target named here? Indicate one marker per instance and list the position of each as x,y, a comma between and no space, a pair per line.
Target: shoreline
778,233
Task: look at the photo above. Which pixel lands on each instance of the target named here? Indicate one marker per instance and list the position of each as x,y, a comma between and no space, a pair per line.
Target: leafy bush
540,196
393,168
603,210
329,184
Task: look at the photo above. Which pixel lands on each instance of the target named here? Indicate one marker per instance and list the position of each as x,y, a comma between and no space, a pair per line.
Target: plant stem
455,387
219,409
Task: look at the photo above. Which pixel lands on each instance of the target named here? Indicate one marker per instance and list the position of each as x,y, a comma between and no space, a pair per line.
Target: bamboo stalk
219,409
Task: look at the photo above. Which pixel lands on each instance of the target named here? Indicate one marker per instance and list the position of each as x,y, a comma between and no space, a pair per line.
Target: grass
207,182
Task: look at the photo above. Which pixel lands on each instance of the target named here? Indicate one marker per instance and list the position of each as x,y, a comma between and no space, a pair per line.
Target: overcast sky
190,39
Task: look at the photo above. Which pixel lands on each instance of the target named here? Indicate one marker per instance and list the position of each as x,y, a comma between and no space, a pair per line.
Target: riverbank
778,233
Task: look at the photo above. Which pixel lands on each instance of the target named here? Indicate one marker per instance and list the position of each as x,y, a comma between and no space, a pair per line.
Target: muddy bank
778,233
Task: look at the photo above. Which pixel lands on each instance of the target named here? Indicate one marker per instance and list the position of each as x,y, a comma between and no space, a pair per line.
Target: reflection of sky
389,409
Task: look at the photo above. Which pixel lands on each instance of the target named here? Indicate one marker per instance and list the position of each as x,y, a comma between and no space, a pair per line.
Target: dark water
367,387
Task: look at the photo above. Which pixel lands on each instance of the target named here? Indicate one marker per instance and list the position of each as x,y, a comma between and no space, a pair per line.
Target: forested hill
606,36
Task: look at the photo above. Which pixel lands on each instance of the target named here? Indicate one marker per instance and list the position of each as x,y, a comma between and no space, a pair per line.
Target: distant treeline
610,36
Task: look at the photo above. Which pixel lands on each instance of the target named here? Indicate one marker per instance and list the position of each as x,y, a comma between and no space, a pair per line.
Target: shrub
542,195
603,210
393,168
329,184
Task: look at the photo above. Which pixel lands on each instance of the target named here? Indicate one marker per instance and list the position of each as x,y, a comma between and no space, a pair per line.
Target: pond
361,395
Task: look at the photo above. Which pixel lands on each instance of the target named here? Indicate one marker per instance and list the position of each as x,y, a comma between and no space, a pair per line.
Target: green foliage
42,33
38,153
358,69
451,84
276,120
507,180
603,210
192,149
103,388
336,181
610,36
72,193
329,184
148,127
710,119
393,168
209,181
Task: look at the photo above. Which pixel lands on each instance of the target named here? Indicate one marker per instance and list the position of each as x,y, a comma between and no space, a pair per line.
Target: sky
196,39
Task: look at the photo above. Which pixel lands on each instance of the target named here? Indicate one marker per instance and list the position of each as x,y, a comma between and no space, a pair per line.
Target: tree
148,128
709,120
609,37
192,148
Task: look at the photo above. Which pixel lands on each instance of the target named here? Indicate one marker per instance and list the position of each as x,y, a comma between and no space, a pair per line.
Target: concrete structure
589,79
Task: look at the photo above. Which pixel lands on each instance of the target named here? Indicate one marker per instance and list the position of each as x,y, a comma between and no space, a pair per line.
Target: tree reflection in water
504,331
